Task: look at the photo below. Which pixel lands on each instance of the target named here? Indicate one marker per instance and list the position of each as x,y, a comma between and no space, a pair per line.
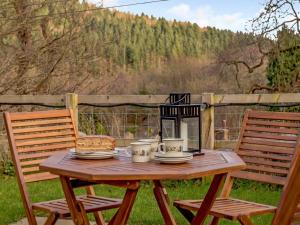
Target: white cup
171,147
140,151
153,145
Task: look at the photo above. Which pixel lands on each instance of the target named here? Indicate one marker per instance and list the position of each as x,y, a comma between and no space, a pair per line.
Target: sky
224,14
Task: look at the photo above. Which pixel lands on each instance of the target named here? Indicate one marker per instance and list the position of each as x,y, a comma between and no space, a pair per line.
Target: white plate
164,156
99,153
174,161
92,155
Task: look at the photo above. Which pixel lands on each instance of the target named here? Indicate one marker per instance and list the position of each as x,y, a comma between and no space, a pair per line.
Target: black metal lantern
177,112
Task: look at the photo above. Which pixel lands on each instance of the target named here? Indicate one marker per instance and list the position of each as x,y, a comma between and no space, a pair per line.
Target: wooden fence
72,100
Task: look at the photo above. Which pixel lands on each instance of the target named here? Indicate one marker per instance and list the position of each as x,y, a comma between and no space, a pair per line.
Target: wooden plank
48,147
36,155
264,178
119,99
272,130
43,99
72,103
272,123
270,136
45,141
266,162
30,169
258,98
39,176
266,169
40,114
261,148
274,115
32,162
208,123
42,129
42,135
135,99
266,156
151,99
42,122
269,143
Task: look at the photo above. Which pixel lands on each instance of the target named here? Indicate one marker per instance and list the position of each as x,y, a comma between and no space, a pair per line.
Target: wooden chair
289,205
33,137
267,144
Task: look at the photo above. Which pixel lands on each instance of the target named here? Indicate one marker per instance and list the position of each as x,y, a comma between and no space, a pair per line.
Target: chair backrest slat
267,144
34,136
289,206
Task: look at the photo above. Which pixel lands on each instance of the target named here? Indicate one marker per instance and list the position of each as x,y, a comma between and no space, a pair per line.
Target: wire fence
231,118
122,122
135,122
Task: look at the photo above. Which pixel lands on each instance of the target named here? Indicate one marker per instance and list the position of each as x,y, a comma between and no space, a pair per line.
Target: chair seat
91,204
228,207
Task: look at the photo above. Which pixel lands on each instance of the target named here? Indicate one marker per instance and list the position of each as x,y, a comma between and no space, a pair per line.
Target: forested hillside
75,48
140,41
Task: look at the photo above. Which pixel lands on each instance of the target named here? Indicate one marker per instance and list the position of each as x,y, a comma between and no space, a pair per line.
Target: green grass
145,211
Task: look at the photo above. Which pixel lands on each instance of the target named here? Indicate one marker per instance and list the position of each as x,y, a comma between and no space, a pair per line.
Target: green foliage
11,209
284,64
132,130
139,41
8,168
100,129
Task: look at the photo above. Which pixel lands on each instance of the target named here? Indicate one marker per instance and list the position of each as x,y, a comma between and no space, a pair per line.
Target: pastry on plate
95,143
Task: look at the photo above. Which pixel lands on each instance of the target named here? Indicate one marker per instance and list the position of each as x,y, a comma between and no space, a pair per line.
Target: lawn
145,211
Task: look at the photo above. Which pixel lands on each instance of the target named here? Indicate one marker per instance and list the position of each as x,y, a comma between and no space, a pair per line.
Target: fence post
72,103
208,122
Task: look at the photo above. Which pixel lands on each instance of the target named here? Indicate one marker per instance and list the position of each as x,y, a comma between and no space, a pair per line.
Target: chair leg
99,218
188,215
215,221
98,215
122,215
84,214
245,220
52,218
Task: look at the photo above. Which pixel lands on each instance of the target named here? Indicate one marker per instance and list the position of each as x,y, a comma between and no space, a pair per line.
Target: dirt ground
41,220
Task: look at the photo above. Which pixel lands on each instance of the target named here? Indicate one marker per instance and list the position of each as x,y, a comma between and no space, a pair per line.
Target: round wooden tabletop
211,163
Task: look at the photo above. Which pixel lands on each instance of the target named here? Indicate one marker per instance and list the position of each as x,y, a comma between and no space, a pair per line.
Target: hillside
99,51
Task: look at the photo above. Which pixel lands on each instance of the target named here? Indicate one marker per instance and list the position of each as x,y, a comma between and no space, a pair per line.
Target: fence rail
73,101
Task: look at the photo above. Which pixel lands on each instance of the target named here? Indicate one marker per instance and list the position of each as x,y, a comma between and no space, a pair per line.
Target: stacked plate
93,154
173,159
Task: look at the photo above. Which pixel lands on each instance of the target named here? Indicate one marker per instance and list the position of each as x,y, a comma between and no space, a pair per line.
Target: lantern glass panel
168,129
190,132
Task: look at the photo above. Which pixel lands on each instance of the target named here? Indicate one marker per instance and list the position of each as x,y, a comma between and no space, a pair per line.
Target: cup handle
162,148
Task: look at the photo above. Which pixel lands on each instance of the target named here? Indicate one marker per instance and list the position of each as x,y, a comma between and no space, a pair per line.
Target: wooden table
122,172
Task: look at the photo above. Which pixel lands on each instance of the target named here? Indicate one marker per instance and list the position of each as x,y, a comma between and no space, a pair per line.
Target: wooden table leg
162,200
209,199
78,216
122,215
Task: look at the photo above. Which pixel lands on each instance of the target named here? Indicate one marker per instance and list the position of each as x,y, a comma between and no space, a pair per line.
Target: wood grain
33,137
267,144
